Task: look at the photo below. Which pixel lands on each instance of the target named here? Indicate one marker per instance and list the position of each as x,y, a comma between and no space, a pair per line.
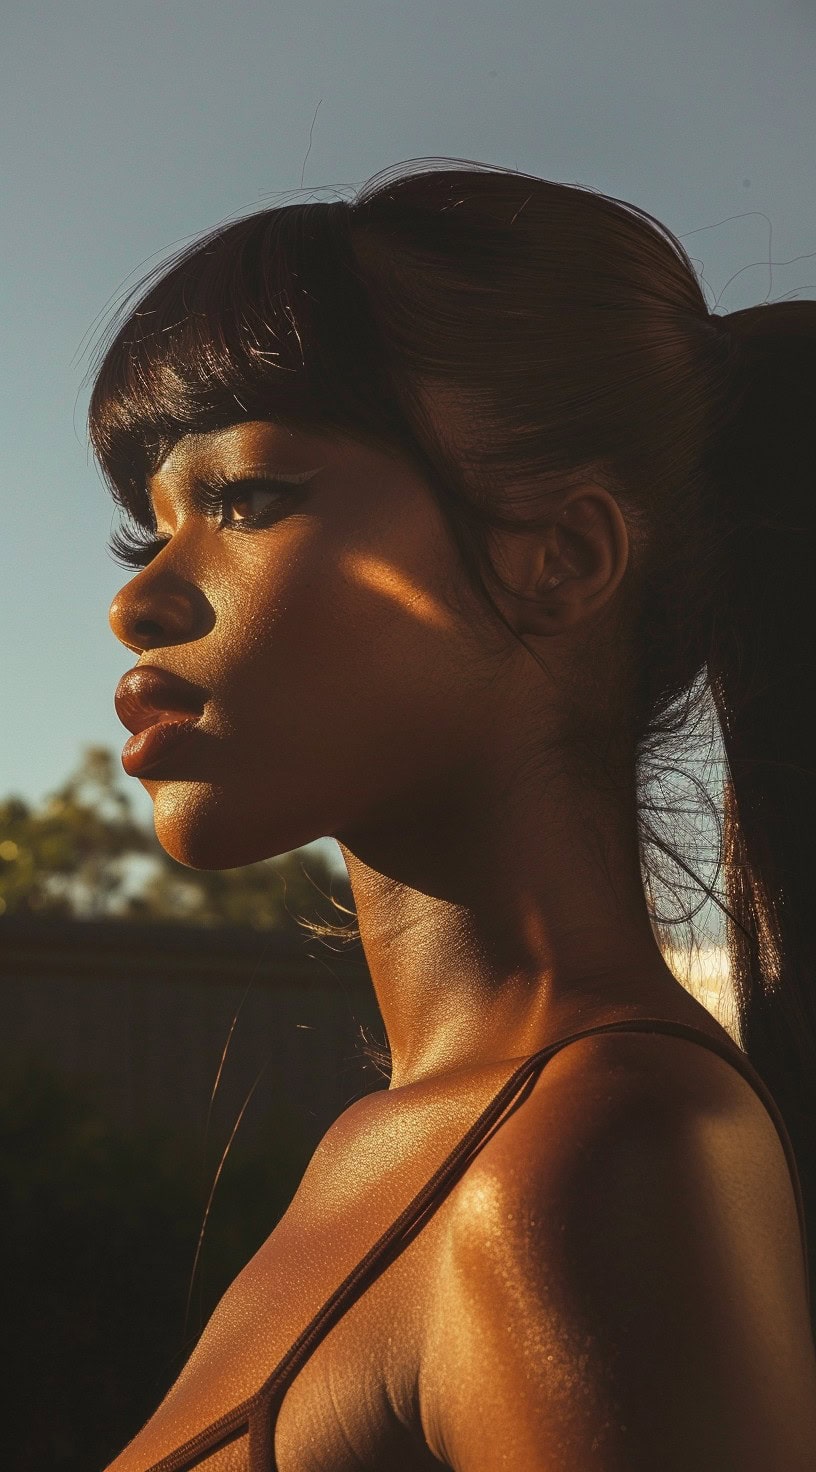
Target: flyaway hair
511,337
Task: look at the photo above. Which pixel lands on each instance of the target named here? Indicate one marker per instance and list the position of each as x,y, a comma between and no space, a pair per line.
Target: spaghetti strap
256,1416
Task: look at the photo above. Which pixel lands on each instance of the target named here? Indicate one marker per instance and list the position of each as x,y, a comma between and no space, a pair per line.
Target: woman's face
343,654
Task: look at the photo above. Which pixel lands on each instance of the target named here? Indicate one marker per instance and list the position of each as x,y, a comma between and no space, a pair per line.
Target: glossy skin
359,689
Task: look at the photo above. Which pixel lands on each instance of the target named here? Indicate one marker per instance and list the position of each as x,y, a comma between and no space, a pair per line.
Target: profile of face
352,681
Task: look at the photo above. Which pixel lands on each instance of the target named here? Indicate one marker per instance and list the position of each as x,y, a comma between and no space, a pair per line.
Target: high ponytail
511,336
762,671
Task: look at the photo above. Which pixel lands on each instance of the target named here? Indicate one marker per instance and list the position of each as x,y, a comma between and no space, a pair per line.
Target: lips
148,694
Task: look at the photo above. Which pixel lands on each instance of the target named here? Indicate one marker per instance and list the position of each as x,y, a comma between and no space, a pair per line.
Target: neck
488,936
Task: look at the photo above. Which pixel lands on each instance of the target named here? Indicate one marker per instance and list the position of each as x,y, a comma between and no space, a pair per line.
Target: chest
359,1400
365,1397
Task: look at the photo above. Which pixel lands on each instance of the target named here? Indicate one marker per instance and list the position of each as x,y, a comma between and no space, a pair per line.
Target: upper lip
148,694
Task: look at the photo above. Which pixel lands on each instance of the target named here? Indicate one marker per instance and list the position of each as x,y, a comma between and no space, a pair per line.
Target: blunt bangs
266,318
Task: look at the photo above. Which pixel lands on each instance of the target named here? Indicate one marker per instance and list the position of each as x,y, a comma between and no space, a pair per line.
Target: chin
210,830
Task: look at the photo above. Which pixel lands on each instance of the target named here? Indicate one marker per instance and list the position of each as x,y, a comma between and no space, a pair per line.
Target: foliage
74,857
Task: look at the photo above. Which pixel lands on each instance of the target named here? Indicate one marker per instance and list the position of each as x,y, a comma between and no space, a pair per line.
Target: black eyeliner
211,493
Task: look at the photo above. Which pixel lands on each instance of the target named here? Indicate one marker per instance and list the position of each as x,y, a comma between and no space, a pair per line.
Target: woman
452,502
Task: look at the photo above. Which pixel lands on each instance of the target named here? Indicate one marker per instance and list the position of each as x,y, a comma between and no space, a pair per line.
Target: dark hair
504,331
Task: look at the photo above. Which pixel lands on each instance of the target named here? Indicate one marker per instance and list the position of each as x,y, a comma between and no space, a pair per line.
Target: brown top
254,1419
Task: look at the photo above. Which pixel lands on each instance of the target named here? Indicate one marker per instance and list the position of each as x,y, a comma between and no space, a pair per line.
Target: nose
143,618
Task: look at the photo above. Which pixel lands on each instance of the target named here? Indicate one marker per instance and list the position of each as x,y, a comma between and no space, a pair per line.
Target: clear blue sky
129,126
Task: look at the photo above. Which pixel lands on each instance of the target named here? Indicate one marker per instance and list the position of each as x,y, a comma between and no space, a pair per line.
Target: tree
74,857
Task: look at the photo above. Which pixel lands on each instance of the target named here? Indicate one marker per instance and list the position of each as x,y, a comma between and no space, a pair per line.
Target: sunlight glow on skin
357,689
385,579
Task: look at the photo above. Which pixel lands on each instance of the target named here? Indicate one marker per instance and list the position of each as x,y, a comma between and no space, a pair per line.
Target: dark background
112,1034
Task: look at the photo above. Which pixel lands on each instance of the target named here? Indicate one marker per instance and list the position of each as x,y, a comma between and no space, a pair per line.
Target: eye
246,496
216,494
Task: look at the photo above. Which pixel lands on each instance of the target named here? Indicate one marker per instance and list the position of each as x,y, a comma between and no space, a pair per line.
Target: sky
129,127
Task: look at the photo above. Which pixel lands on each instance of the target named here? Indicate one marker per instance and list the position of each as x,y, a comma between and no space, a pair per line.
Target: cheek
340,690
343,653
351,601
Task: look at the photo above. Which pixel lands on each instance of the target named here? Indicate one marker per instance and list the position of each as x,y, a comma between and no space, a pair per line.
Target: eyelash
215,494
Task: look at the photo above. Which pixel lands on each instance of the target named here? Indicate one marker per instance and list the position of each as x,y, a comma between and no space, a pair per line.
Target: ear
566,572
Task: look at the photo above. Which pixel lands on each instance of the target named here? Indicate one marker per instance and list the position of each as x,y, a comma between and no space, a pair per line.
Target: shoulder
619,1279
633,1125
636,1096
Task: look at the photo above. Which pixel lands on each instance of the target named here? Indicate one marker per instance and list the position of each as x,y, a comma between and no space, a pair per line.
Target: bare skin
357,688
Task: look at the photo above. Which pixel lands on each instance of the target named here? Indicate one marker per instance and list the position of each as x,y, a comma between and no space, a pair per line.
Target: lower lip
148,747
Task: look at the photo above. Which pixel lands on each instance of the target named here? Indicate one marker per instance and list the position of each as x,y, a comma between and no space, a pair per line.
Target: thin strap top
255,1418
